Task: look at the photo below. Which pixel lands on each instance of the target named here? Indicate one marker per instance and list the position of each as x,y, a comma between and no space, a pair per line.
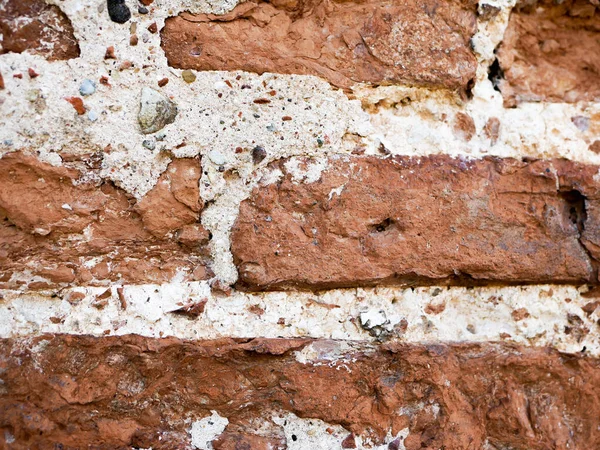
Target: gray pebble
217,157
581,122
258,154
149,144
118,11
156,111
88,87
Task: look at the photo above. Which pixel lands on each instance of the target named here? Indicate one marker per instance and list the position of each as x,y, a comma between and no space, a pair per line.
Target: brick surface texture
435,219
303,225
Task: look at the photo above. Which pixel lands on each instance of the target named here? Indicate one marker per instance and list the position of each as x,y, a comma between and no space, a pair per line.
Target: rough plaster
530,315
314,434
300,433
206,430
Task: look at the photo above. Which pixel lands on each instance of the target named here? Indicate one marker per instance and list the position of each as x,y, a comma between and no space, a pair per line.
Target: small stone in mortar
258,154
88,87
149,144
156,111
188,76
118,11
217,157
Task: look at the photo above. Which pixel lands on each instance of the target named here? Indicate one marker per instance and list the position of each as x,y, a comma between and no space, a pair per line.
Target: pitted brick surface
36,27
421,220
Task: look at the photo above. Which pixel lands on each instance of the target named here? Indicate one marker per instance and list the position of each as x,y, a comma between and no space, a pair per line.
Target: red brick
36,27
118,392
439,220
418,42
550,52
52,224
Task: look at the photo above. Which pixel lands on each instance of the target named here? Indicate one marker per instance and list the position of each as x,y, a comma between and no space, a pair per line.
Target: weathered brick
69,392
415,42
38,28
550,52
436,219
66,230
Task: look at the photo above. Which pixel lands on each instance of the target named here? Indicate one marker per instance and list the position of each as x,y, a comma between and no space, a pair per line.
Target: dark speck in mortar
258,154
118,11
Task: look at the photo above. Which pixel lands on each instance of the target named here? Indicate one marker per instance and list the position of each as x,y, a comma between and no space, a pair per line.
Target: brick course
132,391
343,42
426,220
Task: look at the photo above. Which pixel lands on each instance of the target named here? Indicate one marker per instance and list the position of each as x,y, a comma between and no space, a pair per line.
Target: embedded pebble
88,87
217,157
258,154
77,103
118,11
93,116
149,144
581,122
188,76
142,10
156,111
33,94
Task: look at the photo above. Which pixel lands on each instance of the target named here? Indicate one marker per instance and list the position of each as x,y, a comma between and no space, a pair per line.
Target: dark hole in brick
382,226
575,208
496,74
469,88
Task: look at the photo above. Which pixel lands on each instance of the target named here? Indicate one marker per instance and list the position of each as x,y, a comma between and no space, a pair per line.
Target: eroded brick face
412,42
118,392
38,28
550,52
64,230
434,219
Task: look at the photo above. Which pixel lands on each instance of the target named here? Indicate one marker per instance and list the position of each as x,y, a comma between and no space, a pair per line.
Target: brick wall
299,225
